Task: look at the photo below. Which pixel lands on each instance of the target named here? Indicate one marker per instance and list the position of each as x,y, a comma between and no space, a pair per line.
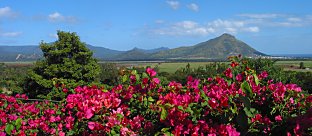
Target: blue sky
272,27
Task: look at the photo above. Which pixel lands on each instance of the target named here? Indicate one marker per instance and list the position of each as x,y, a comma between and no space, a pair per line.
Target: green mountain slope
217,48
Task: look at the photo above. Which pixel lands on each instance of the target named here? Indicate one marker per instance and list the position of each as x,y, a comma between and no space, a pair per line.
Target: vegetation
236,102
12,78
66,62
109,73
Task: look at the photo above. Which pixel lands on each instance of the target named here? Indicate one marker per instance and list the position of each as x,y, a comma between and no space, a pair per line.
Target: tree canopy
66,61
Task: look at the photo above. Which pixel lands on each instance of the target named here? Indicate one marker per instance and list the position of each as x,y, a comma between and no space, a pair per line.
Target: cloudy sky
272,27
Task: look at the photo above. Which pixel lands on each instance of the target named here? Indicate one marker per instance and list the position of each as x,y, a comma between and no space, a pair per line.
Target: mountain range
218,48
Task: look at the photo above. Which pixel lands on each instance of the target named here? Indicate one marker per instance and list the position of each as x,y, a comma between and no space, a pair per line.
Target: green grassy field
295,63
171,67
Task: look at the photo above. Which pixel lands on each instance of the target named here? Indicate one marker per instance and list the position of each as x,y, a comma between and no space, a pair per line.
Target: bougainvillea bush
239,102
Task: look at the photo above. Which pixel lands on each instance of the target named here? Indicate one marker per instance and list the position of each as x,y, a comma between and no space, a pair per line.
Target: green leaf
246,88
246,101
163,114
273,111
95,117
113,132
145,101
189,110
252,110
5,104
248,112
203,95
144,75
204,103
150,99
9,128
234,109
168,105
18,123
168,134
164,129
71,132
124,78
256,78
180,108
134,72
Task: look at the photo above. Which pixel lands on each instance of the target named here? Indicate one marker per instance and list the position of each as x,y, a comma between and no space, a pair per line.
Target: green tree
301,65
67,62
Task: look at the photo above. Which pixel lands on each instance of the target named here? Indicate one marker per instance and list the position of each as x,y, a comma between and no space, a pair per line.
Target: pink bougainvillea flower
150,72
239,77
263,75
65,90
156,80
232,131
91,125
291,100
278,118
61,133
213,103
228,73
2,134
234,64
88,114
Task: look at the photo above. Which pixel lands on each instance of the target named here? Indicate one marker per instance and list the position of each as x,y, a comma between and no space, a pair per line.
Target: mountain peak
226,35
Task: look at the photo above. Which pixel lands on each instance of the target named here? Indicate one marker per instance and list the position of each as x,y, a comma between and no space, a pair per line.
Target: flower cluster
236,102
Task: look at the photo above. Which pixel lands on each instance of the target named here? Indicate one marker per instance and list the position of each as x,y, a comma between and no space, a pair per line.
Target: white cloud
230,30
246,23
277,20
174,4
193,7
10,34
57,17
192,28
53,36
226,23
294,19
186,24
182,28
252,29
159,21
260,16
7,12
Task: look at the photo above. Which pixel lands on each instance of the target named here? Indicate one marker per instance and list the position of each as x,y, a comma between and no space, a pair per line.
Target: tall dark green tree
67,62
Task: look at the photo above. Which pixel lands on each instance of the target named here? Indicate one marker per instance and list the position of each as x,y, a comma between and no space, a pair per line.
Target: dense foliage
12,77
236,102
67,61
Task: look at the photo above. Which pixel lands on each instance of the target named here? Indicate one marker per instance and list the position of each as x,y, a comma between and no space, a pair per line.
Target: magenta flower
228,73
91,125
278,118
150,72
88,114
239,77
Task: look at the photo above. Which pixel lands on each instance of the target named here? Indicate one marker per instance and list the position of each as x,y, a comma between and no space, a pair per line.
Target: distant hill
104,53
25,53
217,48
138,54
